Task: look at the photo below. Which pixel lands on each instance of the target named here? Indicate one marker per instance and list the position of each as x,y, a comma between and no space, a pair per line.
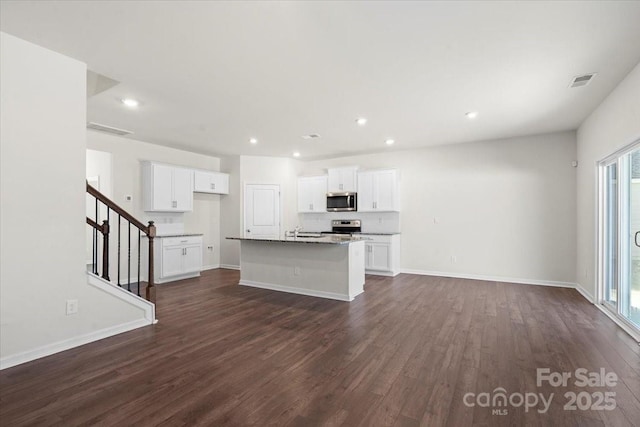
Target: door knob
248,231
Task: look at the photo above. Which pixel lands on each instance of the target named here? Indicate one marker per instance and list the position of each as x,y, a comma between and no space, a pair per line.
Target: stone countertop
178,235
377,233
324,240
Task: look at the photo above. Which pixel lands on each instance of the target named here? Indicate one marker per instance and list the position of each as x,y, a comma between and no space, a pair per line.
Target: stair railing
103,230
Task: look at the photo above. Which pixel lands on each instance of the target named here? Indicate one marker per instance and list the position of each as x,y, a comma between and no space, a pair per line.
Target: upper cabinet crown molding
343,179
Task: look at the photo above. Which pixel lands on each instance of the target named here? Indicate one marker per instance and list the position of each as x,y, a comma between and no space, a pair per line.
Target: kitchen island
327,267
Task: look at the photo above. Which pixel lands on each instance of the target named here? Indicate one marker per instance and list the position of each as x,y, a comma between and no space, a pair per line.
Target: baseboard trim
490,278
57,347
633,334
587,295
147,307
230,266
299,291
210,267
381,273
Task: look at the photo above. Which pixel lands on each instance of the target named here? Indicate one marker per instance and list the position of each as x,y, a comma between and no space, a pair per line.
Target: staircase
112,222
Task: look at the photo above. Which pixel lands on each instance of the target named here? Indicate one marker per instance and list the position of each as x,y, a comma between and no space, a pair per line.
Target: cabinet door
161,183
183,189
305,191
385,188
366,196
334,181
192,259
319,194
172,260
379,257
348,179
221,183
202,182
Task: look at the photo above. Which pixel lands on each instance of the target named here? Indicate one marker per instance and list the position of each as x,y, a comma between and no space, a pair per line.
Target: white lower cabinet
382,254
177,258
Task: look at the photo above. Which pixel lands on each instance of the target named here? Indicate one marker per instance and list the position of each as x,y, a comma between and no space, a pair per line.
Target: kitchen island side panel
329,271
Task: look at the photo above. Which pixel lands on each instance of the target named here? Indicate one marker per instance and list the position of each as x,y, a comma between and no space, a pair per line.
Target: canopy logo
499,400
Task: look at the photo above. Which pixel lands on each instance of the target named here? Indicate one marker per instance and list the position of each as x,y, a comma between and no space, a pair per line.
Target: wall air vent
311,136
108,129
582,80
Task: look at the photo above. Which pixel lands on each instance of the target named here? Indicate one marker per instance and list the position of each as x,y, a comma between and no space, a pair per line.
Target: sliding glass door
631,304
619,248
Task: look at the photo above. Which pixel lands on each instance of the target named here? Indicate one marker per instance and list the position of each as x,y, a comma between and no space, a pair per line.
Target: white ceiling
211,75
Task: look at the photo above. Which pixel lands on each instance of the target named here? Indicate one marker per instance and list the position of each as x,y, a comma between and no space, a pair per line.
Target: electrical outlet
72,306
454,259
296,271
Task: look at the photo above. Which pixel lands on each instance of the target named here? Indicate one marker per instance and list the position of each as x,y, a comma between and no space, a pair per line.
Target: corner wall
611,126
42,209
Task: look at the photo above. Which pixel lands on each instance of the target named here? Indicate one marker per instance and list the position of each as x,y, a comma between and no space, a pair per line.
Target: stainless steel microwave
341,202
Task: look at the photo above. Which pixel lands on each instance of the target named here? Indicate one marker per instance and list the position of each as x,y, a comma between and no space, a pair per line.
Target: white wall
503,208
611,126
127,180
230,214
42,210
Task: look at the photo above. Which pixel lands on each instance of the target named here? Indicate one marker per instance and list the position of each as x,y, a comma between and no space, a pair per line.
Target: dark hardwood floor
404,353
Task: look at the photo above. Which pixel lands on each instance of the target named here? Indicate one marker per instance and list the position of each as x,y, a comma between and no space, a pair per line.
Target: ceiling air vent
108,129
311,136
582,80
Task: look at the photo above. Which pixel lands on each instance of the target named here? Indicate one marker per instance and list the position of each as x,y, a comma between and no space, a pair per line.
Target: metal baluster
93,250
95,262
139,237
119,217
129,259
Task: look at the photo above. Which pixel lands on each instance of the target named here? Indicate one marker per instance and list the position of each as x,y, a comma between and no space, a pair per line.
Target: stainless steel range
345,227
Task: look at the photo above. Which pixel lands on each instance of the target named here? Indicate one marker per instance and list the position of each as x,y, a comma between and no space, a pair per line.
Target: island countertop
324,240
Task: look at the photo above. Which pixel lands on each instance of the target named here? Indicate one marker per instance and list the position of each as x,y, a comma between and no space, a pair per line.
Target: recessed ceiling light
253,140
296,154
389,141
130,102
361,121
472,114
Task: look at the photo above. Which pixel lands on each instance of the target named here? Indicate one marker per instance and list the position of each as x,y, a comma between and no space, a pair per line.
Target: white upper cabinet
166,188
210,182
343,179
378,191
312,194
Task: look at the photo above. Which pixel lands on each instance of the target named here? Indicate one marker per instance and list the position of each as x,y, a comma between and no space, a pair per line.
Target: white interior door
262,211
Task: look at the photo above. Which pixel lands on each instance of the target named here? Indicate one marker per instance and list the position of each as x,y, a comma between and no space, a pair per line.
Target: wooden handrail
148,230
97,226
113,206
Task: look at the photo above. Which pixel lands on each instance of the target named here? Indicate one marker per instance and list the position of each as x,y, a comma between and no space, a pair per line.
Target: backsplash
372,222
167,222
